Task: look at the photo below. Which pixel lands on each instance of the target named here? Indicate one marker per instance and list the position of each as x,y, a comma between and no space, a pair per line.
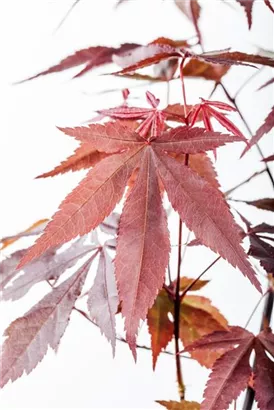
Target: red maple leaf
231,372
143,241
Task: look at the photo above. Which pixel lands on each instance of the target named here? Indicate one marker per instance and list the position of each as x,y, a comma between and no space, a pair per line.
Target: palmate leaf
140,272
231,372
29,337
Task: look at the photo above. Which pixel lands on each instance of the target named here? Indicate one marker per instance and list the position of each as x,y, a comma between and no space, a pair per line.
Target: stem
187,289
244,182
268,308
177,305
233,101
183,88
121,339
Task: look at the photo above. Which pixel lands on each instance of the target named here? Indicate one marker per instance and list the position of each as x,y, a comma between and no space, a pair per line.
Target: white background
83,374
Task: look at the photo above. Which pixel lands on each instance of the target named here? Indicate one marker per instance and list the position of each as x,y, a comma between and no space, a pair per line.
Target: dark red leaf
248,6
264,379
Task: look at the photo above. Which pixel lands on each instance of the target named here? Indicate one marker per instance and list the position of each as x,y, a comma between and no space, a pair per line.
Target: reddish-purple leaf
88,204
142,250
29,337
192,197
263,129
92,57
248,6
221,339
192,140
264,379
103,298
230,375
266,203
268,159
263,251
235,57
266,337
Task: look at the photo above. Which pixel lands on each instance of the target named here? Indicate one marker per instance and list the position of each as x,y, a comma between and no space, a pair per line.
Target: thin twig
233,101
66,15
121,339
255,308
177,305
244,182
187,289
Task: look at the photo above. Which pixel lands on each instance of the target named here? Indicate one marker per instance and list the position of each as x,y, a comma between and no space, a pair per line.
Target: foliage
147,159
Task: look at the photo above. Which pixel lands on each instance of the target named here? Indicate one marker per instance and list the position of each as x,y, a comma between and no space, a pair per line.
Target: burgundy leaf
235,57
192,196
268,159
230,375
265,203
264,379
263,129
29,337
266,337
248,6
92,57
263,251
142,250
103,298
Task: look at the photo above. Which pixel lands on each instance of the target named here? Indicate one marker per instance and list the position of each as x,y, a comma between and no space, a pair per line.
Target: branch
233,101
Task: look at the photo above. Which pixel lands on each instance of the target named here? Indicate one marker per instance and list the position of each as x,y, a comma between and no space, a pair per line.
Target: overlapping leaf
140,272
92,57
231,372
29,337
197,318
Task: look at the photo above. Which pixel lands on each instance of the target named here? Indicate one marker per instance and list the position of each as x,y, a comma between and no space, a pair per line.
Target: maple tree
148,160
